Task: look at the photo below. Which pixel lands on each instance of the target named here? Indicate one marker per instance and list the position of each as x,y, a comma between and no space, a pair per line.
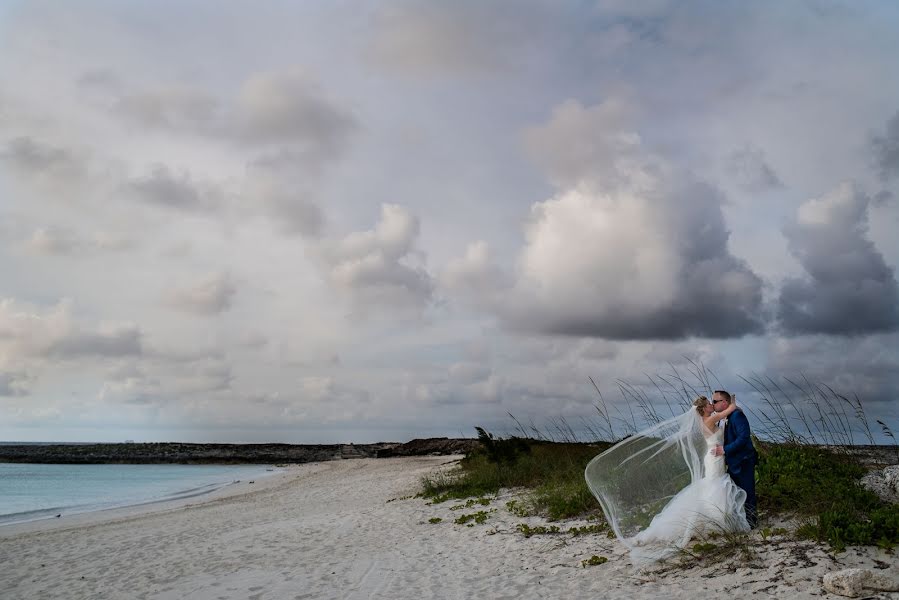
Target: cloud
28,157
112,342
849,289
884,149
579,143
172,107
59,241
285,107
210,295
14,384
632,247
288,106
380,268
285,199
476,277
161,380
27,333
425,38
868,367
748,168
164,188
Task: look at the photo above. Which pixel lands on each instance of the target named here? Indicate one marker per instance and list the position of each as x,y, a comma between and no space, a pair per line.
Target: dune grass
553,472
804,470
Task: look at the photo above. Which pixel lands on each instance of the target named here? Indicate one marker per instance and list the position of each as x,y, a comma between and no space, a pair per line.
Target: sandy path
327,530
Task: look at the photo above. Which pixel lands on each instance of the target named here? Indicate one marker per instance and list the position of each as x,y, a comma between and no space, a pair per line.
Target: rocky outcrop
884,483
427,446
857,582
178,453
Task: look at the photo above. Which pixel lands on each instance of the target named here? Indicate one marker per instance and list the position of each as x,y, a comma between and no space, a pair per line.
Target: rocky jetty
429,446
179,453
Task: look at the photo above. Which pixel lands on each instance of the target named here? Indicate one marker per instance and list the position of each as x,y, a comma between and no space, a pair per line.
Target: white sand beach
350,530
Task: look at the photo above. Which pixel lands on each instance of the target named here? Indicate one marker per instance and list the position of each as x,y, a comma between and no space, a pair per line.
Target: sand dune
347,529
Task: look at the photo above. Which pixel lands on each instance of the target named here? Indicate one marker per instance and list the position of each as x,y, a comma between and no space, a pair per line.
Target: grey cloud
277,107
849,289
423,38
632,247
476,278
14,384
748,168
286,202
469,372
164,188
288,107
211,295
254,341
102,79
376,268
884,149
123,341
27,156
177,107
29,333
55,241
868,367
586,142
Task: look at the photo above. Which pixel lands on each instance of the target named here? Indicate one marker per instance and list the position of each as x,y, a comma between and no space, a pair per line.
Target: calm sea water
33,491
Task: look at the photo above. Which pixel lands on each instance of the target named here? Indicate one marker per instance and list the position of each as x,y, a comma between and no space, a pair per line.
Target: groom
739,453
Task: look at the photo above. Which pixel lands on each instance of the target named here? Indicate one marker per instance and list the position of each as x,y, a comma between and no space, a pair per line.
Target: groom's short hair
724,394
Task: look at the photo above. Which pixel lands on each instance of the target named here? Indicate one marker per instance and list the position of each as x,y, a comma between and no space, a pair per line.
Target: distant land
185,453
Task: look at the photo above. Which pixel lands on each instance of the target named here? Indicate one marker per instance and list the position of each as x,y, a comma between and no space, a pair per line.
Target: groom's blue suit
741,457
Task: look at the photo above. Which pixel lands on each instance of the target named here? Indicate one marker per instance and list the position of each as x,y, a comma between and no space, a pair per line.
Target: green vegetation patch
594,561
822,486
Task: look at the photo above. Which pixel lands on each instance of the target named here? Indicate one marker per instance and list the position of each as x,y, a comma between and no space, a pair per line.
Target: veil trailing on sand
639,476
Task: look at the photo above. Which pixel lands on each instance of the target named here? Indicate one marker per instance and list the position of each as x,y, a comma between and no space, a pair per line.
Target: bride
664,486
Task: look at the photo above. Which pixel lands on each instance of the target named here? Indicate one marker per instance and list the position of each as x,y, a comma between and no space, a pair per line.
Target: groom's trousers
745,480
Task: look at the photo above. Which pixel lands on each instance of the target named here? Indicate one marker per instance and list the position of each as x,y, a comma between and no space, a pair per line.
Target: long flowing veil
637,477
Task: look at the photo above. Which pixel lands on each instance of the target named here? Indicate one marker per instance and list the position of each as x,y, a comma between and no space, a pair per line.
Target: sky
340,221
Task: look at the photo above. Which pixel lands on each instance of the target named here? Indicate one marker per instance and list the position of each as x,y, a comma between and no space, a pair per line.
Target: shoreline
353,530
173,499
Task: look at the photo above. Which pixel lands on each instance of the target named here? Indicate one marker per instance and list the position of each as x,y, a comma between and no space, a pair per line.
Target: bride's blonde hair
700,404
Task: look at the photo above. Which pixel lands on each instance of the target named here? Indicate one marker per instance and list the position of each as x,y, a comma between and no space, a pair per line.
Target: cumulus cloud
28,332
113,341
14,384
162,187
60,241
161,379
210,295
272,107
631,247
884,149
380,268
476,277
32,158
289,106
172,107
849,289
285,199
424,38
748,168
587,143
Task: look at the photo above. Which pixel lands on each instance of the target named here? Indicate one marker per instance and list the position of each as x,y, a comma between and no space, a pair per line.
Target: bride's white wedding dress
712,504
661,487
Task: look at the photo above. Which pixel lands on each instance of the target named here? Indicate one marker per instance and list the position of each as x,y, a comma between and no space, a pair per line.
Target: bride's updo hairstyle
700,404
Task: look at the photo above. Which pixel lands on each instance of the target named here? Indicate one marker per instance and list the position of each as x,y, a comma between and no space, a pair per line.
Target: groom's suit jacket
739,453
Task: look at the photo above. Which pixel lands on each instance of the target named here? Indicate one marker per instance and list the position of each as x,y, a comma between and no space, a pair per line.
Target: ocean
36,491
